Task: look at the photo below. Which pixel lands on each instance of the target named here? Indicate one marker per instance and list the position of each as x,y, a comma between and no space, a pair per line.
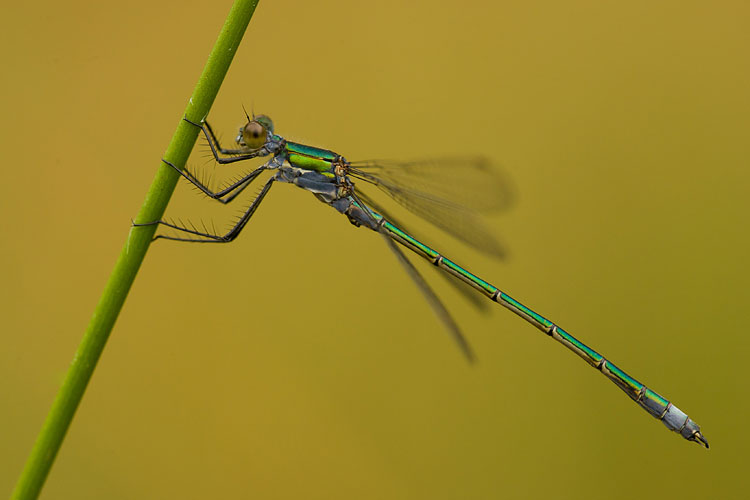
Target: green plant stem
69,396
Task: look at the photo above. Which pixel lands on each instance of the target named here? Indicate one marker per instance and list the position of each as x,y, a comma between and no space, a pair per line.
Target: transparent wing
447,192
437,306
471,182
465,290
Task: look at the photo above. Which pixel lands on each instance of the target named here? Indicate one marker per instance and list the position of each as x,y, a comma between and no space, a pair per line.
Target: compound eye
254,135
265,121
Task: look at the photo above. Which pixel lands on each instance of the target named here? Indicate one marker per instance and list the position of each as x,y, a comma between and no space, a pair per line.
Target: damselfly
330,177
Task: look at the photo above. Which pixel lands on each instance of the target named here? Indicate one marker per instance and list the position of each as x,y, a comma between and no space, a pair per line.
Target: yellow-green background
300,362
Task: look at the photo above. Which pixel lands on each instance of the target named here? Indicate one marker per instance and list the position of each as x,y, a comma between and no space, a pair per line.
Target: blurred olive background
300,362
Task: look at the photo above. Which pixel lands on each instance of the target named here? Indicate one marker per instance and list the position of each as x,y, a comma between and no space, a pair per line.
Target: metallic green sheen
656,397
593,357
654,403
322,161
309,163
412,242
486,287
312,151
625,381
541,321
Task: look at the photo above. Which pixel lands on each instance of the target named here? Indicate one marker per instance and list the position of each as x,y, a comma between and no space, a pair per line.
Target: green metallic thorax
310,158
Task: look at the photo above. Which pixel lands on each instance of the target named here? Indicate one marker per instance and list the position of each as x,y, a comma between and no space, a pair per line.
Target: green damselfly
329,176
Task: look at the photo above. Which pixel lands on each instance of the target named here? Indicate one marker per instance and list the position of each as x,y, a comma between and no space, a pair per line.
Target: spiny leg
209,237
210,132
242,154
239,186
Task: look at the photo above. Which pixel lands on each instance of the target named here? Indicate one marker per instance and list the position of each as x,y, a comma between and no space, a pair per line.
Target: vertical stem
69,396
